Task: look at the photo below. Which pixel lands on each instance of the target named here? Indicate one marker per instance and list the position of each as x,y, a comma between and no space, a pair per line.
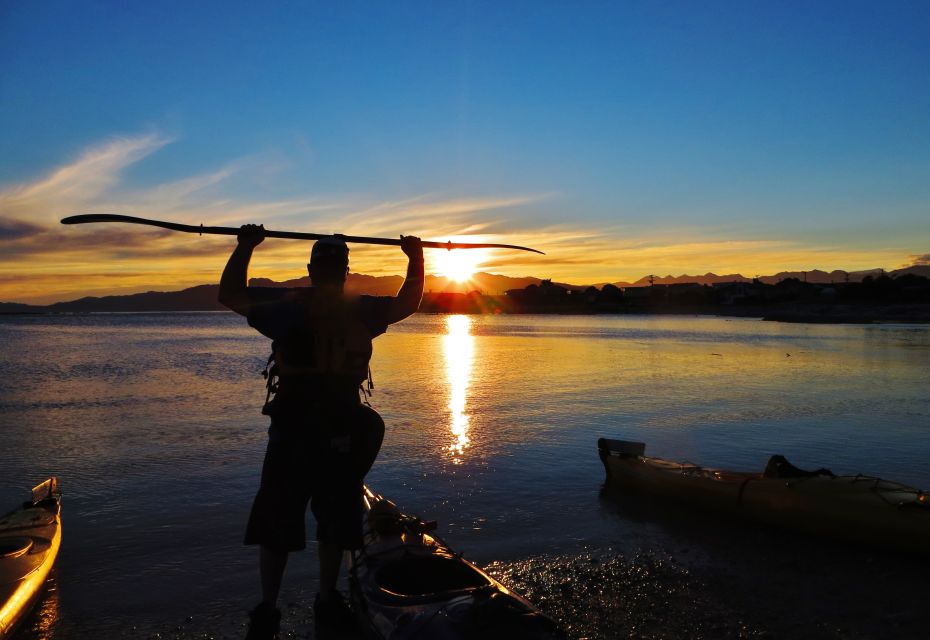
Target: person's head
329,261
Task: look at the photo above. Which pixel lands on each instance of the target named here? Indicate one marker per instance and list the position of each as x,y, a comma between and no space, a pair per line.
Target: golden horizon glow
56,273
458,349
67,268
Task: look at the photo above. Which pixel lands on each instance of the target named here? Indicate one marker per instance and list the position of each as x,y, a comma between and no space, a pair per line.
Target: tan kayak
856,508
29,540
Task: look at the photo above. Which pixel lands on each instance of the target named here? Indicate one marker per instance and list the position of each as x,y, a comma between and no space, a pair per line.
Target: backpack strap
270,374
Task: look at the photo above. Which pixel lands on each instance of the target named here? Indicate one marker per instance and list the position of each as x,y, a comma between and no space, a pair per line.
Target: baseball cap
329,248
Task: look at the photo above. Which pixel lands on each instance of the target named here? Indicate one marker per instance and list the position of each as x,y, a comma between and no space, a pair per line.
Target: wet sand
722,578
700,578
605,594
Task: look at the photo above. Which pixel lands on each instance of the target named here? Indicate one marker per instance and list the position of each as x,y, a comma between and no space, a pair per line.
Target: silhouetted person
323,439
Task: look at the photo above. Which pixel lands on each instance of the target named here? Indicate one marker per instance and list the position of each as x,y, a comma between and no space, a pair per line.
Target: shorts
318,456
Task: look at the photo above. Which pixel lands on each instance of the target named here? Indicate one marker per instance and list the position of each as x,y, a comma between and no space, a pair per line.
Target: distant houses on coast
900,296
907,296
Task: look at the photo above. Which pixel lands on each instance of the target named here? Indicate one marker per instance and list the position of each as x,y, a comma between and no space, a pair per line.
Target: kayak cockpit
428,577
14,547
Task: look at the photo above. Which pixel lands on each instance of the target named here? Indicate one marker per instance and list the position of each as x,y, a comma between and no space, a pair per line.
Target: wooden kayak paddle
292,235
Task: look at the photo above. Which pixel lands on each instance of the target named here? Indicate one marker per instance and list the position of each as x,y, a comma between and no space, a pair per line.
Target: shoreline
795,314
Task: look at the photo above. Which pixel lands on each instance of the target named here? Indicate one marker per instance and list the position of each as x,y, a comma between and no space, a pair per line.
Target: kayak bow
29,540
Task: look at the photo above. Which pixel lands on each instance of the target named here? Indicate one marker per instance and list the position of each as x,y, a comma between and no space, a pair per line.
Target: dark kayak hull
406,583
861,509
30,537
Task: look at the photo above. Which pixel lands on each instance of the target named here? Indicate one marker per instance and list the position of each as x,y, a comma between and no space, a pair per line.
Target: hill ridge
203,297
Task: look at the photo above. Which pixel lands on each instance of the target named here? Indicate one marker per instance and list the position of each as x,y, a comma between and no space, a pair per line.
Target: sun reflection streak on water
458,350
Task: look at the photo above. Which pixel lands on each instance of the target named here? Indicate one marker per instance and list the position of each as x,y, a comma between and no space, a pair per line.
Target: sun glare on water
458,348
459,264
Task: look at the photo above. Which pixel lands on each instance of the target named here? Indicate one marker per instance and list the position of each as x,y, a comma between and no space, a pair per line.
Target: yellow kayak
29,540
857,508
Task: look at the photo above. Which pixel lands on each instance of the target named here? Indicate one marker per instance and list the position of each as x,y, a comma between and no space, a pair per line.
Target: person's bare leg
330,564
271,565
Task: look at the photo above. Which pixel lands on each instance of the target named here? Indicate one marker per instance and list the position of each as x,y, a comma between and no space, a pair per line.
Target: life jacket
330,345
334,343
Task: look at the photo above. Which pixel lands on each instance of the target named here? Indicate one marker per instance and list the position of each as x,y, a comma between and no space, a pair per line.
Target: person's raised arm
407,300
234,292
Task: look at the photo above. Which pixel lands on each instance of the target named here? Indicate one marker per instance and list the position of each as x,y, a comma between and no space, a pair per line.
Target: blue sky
624,138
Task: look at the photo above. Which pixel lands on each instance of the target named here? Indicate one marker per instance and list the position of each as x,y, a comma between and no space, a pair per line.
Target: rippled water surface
152,424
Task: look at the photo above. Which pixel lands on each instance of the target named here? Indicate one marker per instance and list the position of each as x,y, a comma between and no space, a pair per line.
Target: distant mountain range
200,298
487,283
815,276
203,297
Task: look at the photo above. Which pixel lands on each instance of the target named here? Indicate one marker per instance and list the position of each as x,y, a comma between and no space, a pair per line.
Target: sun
458,264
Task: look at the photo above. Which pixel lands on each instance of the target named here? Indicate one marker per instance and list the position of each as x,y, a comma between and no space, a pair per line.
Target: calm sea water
152,424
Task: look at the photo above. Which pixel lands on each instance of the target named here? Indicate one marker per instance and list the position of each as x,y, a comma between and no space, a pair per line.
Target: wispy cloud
920,260
431,215
174,195
78,183
16,229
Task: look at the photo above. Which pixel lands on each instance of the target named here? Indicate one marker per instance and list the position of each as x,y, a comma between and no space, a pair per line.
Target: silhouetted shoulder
375,313
269,308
